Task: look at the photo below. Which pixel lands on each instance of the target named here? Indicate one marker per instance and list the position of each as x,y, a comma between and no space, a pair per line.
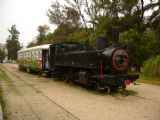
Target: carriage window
21,55
29,55
37,55
24,55
32,55
40,54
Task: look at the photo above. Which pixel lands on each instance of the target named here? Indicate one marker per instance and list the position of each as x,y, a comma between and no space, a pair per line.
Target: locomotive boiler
104,67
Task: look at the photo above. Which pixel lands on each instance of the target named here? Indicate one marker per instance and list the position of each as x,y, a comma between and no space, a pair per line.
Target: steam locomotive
104,67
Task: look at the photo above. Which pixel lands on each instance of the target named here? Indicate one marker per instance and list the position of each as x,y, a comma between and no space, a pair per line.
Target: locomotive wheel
28,70
108,89
73,78
114,89
70,77
66,77
122,90
99,88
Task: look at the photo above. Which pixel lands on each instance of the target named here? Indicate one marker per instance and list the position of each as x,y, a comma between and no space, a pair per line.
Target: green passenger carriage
34,58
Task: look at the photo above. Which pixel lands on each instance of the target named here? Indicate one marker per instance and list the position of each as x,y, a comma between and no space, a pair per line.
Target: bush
152,66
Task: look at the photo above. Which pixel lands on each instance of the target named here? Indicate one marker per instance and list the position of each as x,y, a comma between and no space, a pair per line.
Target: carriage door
51,57
45,62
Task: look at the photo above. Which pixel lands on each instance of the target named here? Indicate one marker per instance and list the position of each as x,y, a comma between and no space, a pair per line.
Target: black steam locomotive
104,67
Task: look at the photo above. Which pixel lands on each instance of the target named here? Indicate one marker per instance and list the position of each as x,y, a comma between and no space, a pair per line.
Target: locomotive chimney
115,35
101,42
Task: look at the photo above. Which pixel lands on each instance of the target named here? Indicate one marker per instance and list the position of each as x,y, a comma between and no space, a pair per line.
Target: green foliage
32,44
130,38
149,79
13,44
2,55
152,66
79,36
42,32
62,15
92,40
14,33
4,77
97,17
84,20
43,37
62,32
141,45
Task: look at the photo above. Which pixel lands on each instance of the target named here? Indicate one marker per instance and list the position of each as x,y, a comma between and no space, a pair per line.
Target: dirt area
32,97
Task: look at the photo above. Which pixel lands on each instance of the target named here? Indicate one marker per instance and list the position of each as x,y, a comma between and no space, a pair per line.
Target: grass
9,83
2,102
4,77
147,79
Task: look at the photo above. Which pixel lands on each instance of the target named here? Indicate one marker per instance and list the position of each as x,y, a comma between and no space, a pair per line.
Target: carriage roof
40,47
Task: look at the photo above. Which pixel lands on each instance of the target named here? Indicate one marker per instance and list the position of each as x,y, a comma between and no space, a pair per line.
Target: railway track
55,103
32,97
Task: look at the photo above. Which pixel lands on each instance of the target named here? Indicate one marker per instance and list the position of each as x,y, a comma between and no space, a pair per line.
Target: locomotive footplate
115,80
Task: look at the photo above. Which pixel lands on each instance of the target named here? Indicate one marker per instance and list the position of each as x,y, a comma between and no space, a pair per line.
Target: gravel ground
32,97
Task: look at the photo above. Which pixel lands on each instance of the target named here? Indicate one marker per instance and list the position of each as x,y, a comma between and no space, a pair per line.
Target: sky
27,15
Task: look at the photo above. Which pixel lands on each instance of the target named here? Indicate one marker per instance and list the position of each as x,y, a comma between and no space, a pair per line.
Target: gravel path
31,97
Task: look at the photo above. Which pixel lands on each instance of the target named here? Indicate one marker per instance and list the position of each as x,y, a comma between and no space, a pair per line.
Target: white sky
26,14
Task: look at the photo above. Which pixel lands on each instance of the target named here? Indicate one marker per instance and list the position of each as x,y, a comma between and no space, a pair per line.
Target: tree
42,32
63,15
32,44
13,44
96,17
2,55
67,20
152,66
62,32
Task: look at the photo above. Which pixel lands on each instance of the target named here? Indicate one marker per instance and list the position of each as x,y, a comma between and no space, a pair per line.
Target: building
3,47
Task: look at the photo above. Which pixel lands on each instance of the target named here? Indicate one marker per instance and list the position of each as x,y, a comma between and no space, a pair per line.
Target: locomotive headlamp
120,59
